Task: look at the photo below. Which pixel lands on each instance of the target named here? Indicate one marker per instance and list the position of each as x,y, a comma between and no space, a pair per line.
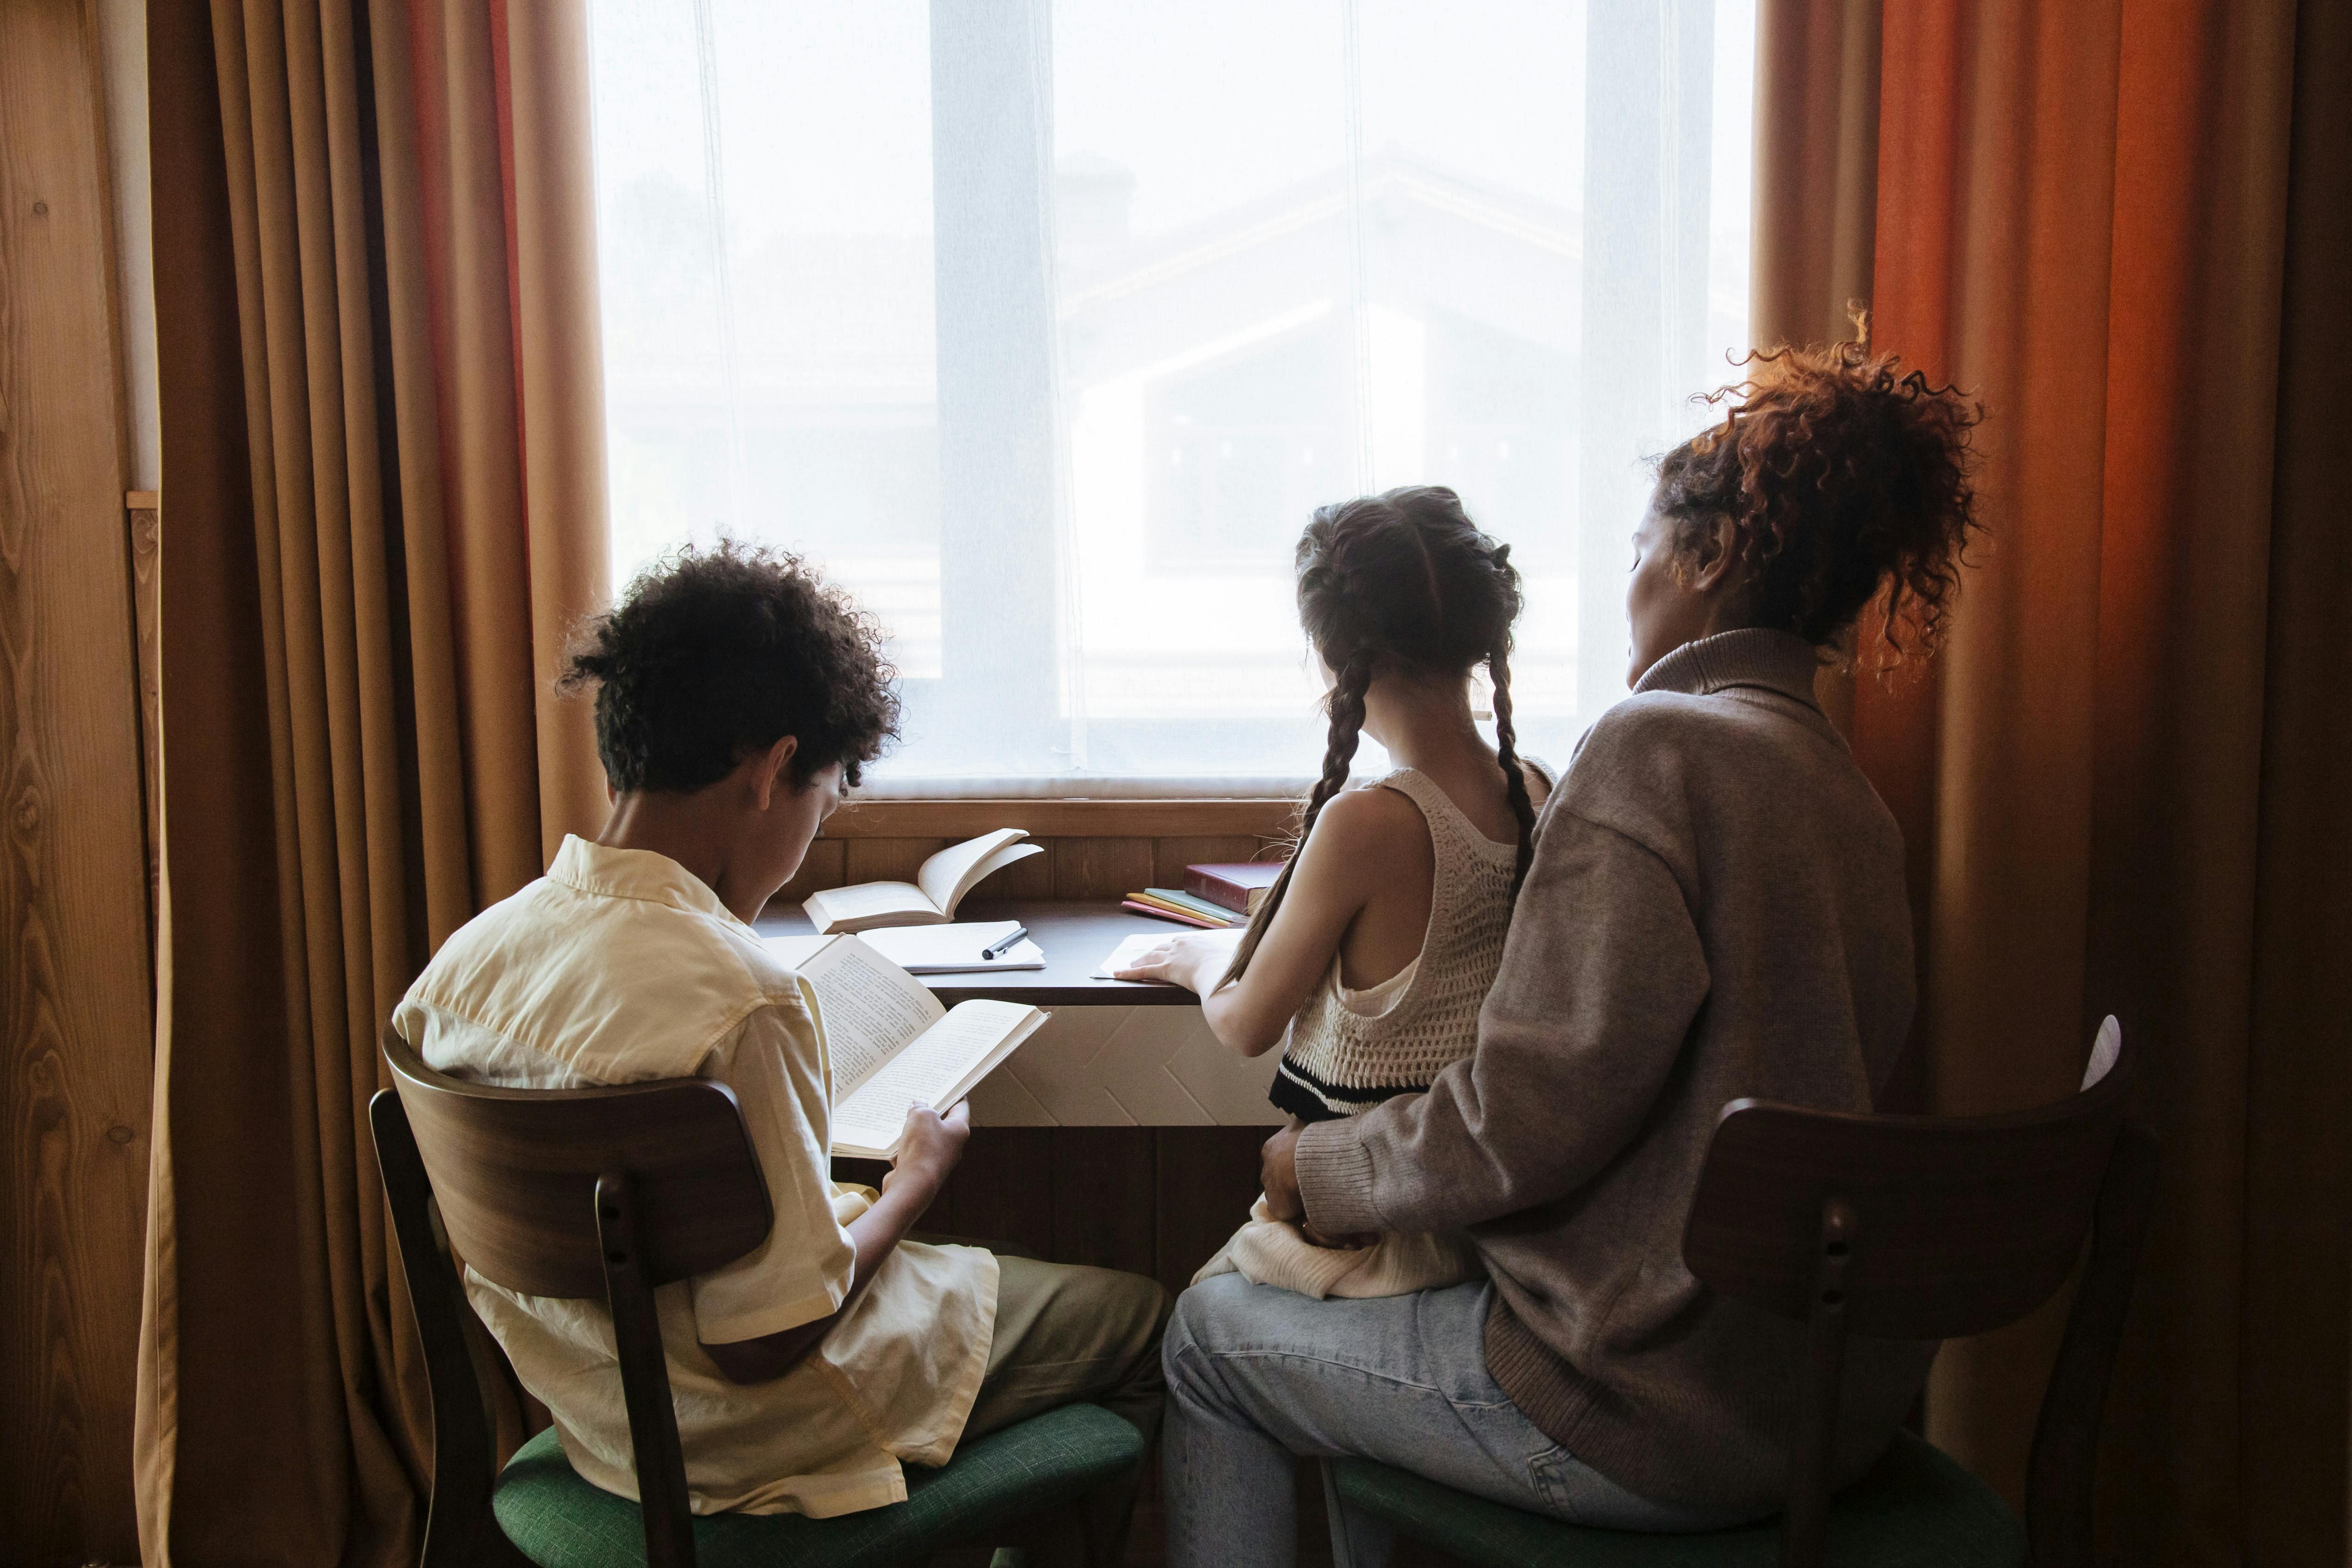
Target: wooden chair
609,1193
1906,1228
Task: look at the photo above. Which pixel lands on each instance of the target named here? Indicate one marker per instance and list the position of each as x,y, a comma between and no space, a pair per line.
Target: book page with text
870,1008
937,1070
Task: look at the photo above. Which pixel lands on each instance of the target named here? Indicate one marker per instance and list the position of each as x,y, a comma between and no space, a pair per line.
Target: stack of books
1169,904
1213,897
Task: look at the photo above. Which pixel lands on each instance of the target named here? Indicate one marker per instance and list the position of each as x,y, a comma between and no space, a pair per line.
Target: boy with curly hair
736,696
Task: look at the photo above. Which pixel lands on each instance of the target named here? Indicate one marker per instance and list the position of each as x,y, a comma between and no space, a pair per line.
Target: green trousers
1067,1334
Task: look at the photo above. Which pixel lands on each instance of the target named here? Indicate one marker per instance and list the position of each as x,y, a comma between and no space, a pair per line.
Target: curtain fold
2297,1379
349,584
1816,152
2109,779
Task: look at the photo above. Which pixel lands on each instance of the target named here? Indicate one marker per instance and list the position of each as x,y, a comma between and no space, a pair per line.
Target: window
1043,324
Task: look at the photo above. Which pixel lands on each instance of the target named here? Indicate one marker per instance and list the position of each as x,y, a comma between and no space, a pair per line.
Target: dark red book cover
1240,888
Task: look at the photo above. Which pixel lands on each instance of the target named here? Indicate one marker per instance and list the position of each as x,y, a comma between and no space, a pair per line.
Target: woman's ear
1714,555
768,773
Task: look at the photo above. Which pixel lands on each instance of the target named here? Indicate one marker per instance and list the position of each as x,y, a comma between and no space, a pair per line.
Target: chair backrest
1922,1228
515,1171
604,1192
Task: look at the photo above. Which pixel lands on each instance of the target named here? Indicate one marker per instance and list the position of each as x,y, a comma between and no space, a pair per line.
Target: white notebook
1132,948
954,949
892,1045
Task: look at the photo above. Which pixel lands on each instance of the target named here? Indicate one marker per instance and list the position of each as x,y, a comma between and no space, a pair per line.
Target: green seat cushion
1915,1509
560,1521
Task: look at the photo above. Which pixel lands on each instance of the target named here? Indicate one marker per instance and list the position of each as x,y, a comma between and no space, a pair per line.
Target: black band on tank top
1298,1093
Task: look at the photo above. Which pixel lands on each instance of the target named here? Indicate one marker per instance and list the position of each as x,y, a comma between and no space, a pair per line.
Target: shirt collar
1755,655
599,869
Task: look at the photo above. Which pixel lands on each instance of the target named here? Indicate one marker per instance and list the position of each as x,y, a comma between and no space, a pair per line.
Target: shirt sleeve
775,1065
1602,978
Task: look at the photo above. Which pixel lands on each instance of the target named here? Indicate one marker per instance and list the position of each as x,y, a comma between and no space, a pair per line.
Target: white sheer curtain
1045,324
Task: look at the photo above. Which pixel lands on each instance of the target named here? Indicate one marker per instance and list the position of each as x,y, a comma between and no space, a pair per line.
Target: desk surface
1075,937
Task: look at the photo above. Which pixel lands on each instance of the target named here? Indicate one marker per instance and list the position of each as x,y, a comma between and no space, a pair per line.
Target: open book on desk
893,1046
939,885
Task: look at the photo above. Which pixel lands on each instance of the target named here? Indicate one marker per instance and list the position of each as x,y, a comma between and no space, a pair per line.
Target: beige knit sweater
1716,908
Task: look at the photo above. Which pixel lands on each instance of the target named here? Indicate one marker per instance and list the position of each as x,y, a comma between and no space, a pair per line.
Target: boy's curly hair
1843,479
714,655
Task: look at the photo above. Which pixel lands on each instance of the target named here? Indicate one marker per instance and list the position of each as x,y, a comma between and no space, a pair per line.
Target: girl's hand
1196,960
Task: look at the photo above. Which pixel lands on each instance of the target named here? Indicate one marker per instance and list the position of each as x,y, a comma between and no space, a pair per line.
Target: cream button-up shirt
618,966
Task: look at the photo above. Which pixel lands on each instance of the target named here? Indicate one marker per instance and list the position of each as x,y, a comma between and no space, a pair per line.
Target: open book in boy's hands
893,1046
932,898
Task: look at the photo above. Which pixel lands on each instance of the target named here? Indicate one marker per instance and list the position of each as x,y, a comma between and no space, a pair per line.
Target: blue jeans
1259,1377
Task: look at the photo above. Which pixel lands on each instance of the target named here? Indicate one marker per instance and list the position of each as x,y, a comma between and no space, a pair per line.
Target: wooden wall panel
825,867
887,860
1151,1200
1073,865
1002,1191
1125,851
1100,867
76,991
1204,1180
1171,856
961,819
1104,1212
1031,877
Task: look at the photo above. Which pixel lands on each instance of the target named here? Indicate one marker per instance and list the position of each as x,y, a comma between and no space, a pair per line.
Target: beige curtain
2111,780
383,440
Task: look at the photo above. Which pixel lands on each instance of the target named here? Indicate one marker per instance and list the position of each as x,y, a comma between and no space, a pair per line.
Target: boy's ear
769,777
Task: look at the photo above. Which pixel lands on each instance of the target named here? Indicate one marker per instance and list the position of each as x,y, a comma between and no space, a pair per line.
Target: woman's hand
1277,1170
1194,960
1277,1174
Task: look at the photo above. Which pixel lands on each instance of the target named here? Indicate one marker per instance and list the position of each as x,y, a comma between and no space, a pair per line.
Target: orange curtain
382,441
2111,778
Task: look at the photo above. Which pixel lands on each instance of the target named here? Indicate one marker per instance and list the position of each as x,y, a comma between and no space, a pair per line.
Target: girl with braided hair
1373,953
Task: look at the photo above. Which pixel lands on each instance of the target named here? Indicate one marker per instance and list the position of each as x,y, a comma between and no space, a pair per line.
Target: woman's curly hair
714,655
1843,479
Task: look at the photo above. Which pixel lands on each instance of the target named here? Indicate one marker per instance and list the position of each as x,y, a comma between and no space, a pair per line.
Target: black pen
996,950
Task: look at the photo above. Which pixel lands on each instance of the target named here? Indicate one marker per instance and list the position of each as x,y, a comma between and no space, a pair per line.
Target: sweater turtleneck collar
1755,655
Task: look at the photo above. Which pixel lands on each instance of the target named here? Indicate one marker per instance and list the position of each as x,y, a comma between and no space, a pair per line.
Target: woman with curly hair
1715,908
735,695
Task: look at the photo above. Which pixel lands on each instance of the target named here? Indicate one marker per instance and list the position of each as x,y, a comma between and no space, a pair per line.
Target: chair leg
1357,1540
1106,1514
1055,1538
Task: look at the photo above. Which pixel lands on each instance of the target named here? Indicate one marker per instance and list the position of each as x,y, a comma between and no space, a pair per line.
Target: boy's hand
930,1146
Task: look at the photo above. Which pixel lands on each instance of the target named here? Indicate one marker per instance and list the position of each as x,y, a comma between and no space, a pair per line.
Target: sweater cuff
1335,1179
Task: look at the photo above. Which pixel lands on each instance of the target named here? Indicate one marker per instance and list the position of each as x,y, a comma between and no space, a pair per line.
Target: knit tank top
1349,1051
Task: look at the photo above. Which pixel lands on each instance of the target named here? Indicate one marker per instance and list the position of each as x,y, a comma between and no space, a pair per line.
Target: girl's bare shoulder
1539,786
1364,827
